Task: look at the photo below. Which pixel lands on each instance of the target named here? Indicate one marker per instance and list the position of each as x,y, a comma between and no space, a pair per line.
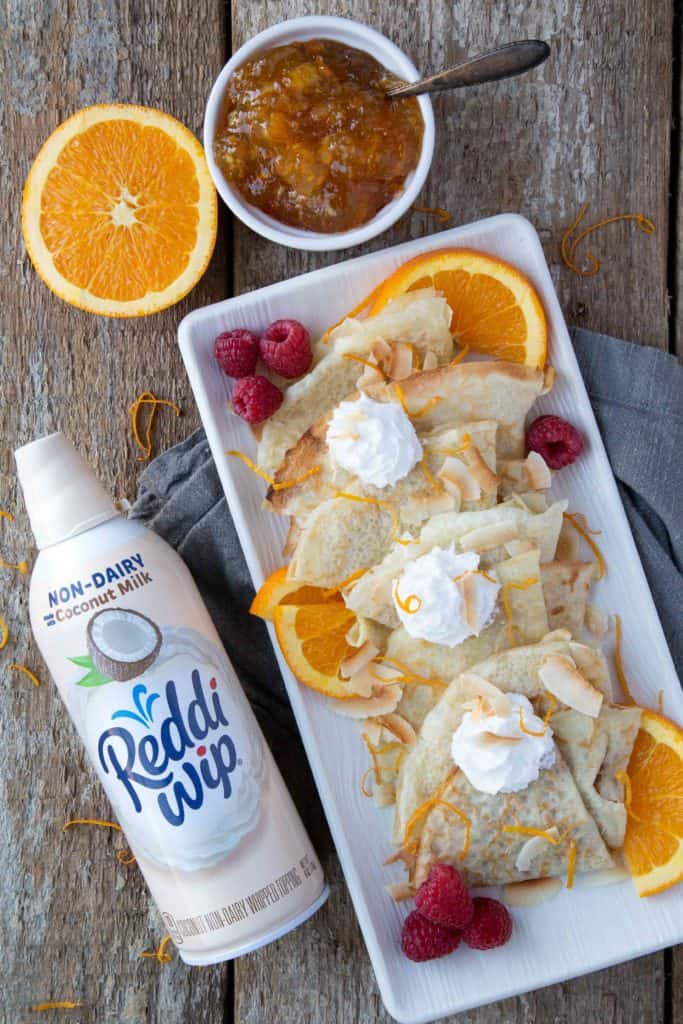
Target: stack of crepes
487,715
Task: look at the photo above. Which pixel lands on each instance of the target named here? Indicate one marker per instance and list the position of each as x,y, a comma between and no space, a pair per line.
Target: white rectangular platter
578,931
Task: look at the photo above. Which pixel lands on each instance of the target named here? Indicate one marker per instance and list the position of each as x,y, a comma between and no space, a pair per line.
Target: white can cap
63,496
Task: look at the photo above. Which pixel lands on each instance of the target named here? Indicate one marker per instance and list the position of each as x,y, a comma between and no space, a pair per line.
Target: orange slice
653,845
495,308
119,212
278,589
313,640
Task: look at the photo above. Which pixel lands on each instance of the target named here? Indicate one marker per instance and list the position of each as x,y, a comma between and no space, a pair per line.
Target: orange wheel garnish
495,308
312,638
119,213
653,845
278,589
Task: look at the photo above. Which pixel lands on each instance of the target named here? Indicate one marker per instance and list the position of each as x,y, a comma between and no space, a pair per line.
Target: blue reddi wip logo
181,757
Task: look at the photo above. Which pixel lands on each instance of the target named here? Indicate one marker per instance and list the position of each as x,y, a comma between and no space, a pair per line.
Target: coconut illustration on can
122,643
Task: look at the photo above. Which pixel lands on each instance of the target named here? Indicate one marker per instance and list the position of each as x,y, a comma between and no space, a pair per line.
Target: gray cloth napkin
637,395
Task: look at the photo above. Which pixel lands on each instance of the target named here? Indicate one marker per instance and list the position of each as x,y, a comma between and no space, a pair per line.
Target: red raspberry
490,926
557,441
422,939
286,348
444,898
237,352
255,399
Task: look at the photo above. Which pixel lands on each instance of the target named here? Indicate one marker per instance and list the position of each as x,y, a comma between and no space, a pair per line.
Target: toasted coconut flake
560,677
401,361
400,891
430,361
475,686
597,621
357,661
537,472
384,794
518,547
488,481
399,727
534,846
361,682
372,729
530,893
457,478
485,538
369,707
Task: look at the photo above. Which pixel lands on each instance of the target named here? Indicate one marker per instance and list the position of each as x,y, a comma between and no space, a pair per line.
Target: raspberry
444,898
286,348
491,925
237,352
255,398
422,939
557,441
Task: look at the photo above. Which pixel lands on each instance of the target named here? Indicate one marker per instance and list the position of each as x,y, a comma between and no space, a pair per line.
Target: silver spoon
505,62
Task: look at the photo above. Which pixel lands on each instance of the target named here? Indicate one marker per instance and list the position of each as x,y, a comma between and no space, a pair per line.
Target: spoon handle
505,62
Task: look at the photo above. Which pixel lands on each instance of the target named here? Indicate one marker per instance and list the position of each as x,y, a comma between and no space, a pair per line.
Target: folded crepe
420,319
579,796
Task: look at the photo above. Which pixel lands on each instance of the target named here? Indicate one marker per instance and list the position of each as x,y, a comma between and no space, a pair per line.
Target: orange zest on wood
464,351
366,362
569,244
25,671
126,857
159,954
353,578
522,830
283,484
4,633
362,305
571,863
147,398
405,605
507,587
579,523
435,211
621,676
61,1004
92,821
427,407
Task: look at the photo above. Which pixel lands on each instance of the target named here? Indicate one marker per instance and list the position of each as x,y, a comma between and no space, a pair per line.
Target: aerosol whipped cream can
142,672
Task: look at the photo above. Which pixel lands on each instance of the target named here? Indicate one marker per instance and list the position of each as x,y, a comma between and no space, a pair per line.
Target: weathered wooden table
599,122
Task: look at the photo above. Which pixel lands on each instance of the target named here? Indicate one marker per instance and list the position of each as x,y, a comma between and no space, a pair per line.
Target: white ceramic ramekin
353,33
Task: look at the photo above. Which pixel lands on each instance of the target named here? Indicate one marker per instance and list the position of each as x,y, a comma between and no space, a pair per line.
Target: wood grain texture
574,130
72,919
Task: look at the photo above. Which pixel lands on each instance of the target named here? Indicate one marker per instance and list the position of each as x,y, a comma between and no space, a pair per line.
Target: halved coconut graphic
122,643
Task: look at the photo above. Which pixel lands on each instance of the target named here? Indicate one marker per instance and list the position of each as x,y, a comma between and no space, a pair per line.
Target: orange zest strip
621,676
530,732
381,504
436,211
345,583
460,356
159,954
147,398
405,606
366,362
375,752
507,587
367,301
571,863
569,245
61,1004
427,407
25,671
429,476
126,857
522,830
438,801
283,484
92,821
475,572
364,778
4,633
466,442
406,675
582,528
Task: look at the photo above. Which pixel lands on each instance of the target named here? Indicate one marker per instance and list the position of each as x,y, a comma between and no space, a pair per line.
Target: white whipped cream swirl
498,767
431,605
373,440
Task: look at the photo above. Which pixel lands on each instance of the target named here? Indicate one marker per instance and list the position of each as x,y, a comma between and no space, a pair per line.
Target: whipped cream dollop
373,440
496,766
430,599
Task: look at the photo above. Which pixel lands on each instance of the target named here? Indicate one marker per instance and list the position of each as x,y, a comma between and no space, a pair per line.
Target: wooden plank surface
591,124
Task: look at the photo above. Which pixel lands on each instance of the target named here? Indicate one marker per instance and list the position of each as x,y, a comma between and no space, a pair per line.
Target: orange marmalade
309,137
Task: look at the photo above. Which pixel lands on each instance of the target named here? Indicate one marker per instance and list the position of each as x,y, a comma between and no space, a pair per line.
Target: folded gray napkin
637,395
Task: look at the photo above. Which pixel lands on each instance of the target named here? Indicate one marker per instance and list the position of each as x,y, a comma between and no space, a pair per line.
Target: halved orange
495,308
653,845
119,213
313,640
278,589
